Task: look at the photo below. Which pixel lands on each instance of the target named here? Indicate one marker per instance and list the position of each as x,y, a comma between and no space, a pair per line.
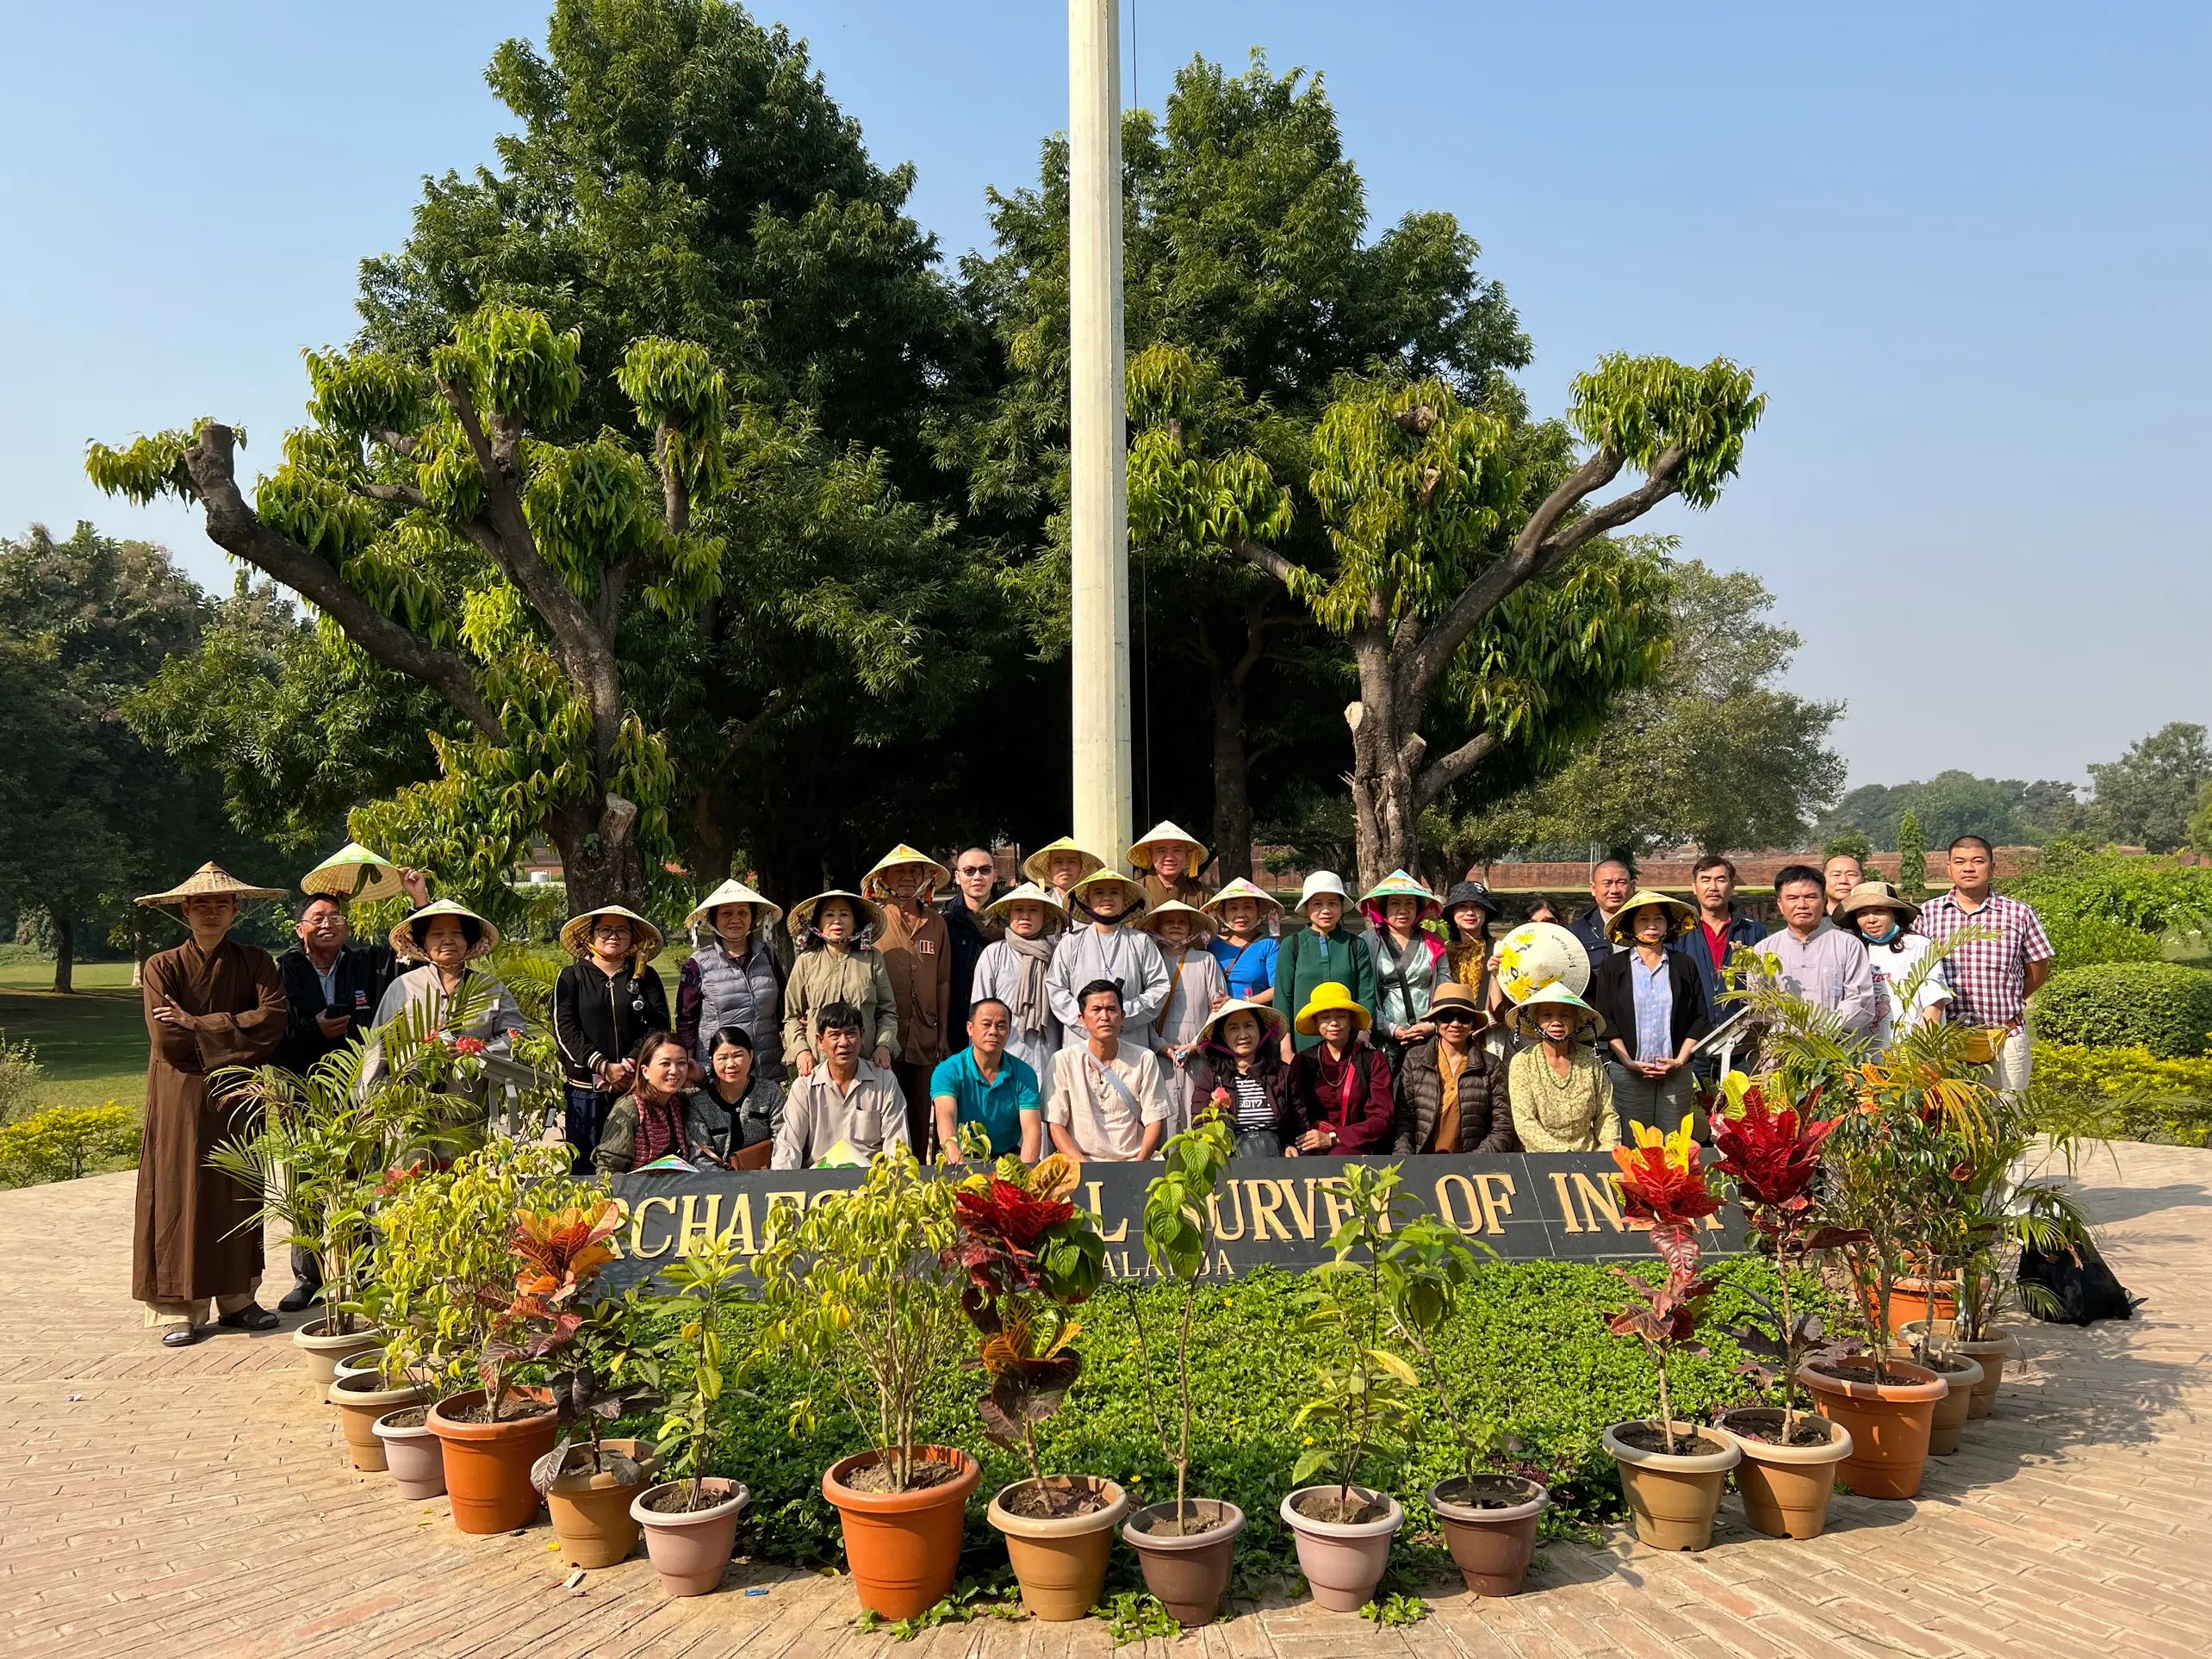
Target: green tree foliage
1248,254
1911,856
2112,907
89,815
2005,811
2149,795
1713,750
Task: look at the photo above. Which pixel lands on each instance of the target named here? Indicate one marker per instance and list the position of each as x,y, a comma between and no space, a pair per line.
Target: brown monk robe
210,1002
917,953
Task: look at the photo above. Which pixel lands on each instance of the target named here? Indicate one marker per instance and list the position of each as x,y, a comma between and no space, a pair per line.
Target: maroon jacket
1354,1097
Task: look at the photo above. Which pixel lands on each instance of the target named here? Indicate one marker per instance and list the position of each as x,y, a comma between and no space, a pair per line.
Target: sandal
183,1336
253,1317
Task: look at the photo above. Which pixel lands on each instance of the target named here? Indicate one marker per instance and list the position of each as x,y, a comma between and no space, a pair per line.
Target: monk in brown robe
210,1002
917,953
1167,861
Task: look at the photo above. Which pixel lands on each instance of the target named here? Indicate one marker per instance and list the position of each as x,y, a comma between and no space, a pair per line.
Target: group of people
1082,1011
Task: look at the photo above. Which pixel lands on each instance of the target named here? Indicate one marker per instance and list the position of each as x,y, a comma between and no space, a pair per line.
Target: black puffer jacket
1486,1115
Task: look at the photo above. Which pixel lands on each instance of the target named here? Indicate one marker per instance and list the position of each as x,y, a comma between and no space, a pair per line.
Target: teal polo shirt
998,1106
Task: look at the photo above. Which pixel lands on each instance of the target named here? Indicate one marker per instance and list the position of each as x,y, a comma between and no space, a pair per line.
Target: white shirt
1892,965
1105,1104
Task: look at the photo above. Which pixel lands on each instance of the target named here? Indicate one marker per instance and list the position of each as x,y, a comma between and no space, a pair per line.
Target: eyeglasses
1455,1019
975,870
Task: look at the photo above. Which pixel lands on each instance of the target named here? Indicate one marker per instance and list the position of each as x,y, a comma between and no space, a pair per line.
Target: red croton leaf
1010,1214
1771,1153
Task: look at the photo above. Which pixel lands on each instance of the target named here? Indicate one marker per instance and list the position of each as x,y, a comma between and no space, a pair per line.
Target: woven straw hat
1523,1018
1201,924
937,879
765,915
1239,888
1877,896
1002,908
1270,1018
644,937
1328,996
1682,915
1140,856
354,875
1399,884
406,935
211,880
870,915
1038,866
1130,911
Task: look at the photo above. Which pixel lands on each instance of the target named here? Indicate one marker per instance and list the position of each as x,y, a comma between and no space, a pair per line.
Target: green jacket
1302,964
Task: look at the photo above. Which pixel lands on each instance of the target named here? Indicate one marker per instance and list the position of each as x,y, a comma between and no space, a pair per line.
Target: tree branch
237,530
675,494
406,495
1265,558
745,734
1429,785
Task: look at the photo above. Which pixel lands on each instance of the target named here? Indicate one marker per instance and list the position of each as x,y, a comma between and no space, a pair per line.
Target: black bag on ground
2085,1290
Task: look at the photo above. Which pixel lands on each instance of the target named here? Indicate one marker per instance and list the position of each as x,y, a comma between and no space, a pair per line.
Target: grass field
92,1044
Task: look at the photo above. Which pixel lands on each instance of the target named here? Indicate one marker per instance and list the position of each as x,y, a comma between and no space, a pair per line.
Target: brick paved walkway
197,1502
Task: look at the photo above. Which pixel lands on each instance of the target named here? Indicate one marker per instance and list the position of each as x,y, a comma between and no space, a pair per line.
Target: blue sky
1964,247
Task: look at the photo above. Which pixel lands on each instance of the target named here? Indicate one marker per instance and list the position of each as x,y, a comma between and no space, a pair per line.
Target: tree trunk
65,951
1385,823
1232,784
602,861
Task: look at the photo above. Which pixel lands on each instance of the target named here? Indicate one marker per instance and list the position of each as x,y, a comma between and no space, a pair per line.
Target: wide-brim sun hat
1399,884
1319,882
1270,1018
1679,914
1555,995
870,915
354,874
1200,922
1138,903
406,934
1002,908
937,877
1448,995
1538,953
1470,891
733,891
1877,896
211,880
1038,866
1331,996
1140,855
645,939
1240,888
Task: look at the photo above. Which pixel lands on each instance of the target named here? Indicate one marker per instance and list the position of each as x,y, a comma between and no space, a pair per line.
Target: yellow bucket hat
1329,997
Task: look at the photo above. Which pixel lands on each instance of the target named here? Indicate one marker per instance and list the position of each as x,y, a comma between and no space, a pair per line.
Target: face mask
1883,939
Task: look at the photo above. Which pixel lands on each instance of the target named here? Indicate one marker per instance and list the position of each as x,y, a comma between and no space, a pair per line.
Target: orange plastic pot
1889,1423
903,1548
487,1464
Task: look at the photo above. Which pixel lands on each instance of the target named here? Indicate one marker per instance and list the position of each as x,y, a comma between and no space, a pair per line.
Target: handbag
2077,1281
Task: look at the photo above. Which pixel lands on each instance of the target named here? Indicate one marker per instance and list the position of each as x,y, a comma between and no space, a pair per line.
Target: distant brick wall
1753,871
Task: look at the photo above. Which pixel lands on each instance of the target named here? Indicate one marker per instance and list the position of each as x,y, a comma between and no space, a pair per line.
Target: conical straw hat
644,937
1138,903
939,876
765,915
1239,888
1679,914
1002,908
1140,855
354,873
405,936
869,914
1038,866
1201,924
211,880
1399,884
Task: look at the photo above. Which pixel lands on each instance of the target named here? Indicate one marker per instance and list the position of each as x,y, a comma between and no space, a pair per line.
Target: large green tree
2147,798
2007,812
1715,750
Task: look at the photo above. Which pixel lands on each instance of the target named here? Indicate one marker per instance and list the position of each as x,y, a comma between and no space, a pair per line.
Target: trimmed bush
62,1142
2123,1094
2086,941
2159,1006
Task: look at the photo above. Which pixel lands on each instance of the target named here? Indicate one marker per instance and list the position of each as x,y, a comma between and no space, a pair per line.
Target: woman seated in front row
658,1116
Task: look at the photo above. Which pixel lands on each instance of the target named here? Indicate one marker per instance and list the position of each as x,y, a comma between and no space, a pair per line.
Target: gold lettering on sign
691,1227
1566,1200
1449,1187
1598,1197
1267,1204
1302,1215
1213,1212
1121,1231
1495,1207
637,1229
740,1232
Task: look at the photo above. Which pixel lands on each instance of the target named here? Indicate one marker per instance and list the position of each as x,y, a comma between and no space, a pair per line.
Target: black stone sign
1273,1211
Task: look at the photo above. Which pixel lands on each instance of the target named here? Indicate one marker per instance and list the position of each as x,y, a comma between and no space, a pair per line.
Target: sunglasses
1455,1018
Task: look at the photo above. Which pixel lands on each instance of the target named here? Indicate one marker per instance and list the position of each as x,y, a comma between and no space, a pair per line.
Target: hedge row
2159,1006
2124,1094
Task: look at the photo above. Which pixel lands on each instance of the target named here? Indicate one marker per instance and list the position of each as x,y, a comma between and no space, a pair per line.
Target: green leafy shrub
20,1077
2160,1006
2123,1094
2149,895
62,1142
2087,940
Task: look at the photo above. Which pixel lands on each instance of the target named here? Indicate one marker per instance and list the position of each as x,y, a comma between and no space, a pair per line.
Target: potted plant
862,1289
1359,1406
1031,1257
691,1522
1772,1155
1185,1548
589,1479
1489,1516
1671,1472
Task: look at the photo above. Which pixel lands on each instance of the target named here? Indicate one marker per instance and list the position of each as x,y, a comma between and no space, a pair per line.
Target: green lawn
92,1044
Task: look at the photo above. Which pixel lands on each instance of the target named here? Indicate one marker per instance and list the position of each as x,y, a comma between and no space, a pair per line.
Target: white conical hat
734,891
409,930
939,877
1002,908
1141,854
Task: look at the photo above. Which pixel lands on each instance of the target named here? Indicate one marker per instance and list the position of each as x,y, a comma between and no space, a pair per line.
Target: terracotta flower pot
1190,1574
1491,1546
1989,1354
1962,1376
1673,1495
1061,1560
903,1548
689,1548
487,1464
1909,1301
414,1457
590,1511
1889,1423
323,1352
1342,1561
361,1398
367,1362
1786,1488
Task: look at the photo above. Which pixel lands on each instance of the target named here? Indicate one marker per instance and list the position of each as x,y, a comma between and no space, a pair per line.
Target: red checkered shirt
1989,976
